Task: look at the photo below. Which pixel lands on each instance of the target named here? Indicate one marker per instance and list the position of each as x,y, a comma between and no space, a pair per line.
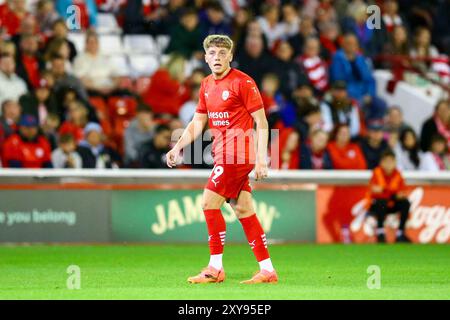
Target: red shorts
229,180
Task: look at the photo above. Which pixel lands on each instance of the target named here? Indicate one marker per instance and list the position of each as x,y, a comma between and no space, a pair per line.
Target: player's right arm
192,131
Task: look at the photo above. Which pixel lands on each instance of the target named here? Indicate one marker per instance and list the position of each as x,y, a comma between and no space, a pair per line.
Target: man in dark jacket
254,60
314,156
39,102
374,144
153,153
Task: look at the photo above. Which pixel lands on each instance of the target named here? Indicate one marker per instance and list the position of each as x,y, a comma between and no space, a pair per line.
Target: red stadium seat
123,107
142,84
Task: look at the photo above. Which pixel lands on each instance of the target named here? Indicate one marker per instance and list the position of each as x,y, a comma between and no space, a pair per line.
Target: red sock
255,236
216,230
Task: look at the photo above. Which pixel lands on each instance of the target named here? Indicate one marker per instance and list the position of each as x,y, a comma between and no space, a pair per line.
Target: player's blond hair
218,40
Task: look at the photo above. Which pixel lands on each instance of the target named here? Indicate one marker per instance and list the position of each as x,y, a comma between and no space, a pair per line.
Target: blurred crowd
313,61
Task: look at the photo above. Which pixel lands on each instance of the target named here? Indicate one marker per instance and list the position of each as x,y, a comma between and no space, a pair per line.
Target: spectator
140,130
153,153
288,147
187,110
350,66
338,108
307,30
76,121
316,69
253,59
374,144
60,31
325,14
289,72
10,117
185,37
314,155
390,16
438,123
438,158
422,51
39,102
94,154
291,19
394,120
387,195
167,92
397,45
393,125
344,154
27,148
95,70
11,85
58,47
329,39
46,16
87,12
407,151
64,80
66,156
309,119
50,129
12,16
270,94
240,23
8,48
29,62
270,25
213,20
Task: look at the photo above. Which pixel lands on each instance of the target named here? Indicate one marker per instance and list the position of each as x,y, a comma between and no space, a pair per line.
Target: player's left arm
261,140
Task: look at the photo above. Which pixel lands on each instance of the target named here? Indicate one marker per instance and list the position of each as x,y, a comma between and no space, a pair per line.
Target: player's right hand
172,157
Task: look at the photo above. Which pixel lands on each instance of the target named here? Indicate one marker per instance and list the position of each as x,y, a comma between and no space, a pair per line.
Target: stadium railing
157,176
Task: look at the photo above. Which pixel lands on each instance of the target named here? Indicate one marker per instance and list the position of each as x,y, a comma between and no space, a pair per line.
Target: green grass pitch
306,271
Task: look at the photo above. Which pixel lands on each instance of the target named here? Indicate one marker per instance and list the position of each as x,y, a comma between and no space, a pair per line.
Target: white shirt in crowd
11,88
59,159
98,68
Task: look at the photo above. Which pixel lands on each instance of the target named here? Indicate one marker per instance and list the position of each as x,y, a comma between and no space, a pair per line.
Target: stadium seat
122,110
101,109
162,42
142,84
121,65
110,44
107,24
139,44
78,39
126,83
124,107
143,65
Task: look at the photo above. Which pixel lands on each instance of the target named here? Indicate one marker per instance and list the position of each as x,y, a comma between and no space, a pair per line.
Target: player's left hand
261,170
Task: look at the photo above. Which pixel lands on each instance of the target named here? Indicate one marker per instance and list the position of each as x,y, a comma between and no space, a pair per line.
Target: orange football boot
263,276
208,275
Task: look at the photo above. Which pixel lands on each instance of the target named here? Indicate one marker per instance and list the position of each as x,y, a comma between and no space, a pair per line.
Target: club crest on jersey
225,95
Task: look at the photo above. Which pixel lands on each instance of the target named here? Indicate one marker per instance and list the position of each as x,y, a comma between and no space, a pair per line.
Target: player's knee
242,212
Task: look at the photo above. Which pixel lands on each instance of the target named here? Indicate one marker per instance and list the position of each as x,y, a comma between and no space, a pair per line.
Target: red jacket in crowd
165,95
349,157
26,154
